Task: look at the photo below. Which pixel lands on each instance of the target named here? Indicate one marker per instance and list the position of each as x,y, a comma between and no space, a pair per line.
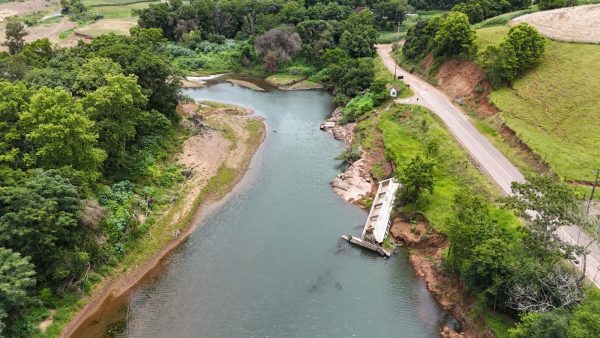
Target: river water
266,262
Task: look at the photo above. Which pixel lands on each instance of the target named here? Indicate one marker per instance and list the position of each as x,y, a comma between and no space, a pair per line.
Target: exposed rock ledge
356,182
344,133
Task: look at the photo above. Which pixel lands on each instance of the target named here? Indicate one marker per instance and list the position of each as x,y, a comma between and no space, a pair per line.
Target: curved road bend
490,159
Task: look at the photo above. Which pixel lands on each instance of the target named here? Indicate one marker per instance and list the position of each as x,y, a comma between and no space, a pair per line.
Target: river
266,263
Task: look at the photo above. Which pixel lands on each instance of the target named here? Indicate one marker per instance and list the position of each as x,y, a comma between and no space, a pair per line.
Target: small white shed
393,92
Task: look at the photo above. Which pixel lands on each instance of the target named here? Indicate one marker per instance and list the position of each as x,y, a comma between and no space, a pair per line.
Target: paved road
489,159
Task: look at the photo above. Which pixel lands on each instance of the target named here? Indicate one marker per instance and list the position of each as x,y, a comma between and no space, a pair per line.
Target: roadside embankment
216,156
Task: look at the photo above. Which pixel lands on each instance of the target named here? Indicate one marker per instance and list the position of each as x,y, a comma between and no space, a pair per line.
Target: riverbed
268,261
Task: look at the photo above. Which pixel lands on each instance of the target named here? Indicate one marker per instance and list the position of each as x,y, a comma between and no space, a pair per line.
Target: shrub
175,50
357,107
349,155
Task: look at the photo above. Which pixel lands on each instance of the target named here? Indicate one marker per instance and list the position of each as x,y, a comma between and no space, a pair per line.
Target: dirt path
203,155
571,24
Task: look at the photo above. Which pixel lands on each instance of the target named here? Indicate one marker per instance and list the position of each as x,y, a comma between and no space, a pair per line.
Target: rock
353,184
344,133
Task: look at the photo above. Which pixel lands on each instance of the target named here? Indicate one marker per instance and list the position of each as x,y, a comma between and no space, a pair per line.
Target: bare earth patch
572,24
25,7
105,26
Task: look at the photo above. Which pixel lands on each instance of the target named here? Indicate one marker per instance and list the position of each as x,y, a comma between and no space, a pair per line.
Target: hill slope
554,108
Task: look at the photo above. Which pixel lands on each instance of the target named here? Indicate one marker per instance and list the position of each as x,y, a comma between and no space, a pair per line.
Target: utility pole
597,171
398,35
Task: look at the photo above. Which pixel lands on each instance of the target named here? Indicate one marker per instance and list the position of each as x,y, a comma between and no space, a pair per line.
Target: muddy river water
267,262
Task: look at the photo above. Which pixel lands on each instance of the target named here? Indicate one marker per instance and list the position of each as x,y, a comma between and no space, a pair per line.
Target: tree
586,316
546,204
118,111
528,45
416,177
455,37
316,35
349,77
15,33
420,38
93,74
293,12
17,277
39,217
158,16
37,53
388,14
14,98
548,289
359,35
541,325
522,49
277,46
58,133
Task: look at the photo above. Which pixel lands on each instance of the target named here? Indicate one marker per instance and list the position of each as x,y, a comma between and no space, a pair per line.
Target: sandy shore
233,149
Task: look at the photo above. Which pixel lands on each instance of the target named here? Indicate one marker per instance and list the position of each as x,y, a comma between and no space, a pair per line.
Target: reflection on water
268,263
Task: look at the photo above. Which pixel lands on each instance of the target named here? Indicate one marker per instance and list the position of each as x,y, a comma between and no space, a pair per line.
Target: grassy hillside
404,132
554,108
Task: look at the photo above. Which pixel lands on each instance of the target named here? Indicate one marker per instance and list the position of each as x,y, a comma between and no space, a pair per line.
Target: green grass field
554,108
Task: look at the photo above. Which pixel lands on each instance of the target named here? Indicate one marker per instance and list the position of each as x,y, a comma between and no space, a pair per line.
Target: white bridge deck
378,223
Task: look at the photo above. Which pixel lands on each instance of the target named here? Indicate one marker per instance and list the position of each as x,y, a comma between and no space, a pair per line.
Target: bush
349,155
175,50
300,70
357,107
189,63
522,49
552,324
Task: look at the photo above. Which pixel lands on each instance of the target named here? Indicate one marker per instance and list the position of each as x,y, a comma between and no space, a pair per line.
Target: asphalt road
489,159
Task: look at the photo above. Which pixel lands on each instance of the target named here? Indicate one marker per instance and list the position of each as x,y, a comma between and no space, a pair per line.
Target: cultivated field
574,24
118,18
555,107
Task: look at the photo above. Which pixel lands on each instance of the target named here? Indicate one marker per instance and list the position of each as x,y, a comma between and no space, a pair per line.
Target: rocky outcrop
341,132
355,183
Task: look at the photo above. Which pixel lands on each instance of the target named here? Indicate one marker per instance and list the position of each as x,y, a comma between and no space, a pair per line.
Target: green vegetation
88,133
551,4
503,19
491,36
406,132
561,132
416,177
450,36
410,20
75,171
522,49
15,33
284,79
479,10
